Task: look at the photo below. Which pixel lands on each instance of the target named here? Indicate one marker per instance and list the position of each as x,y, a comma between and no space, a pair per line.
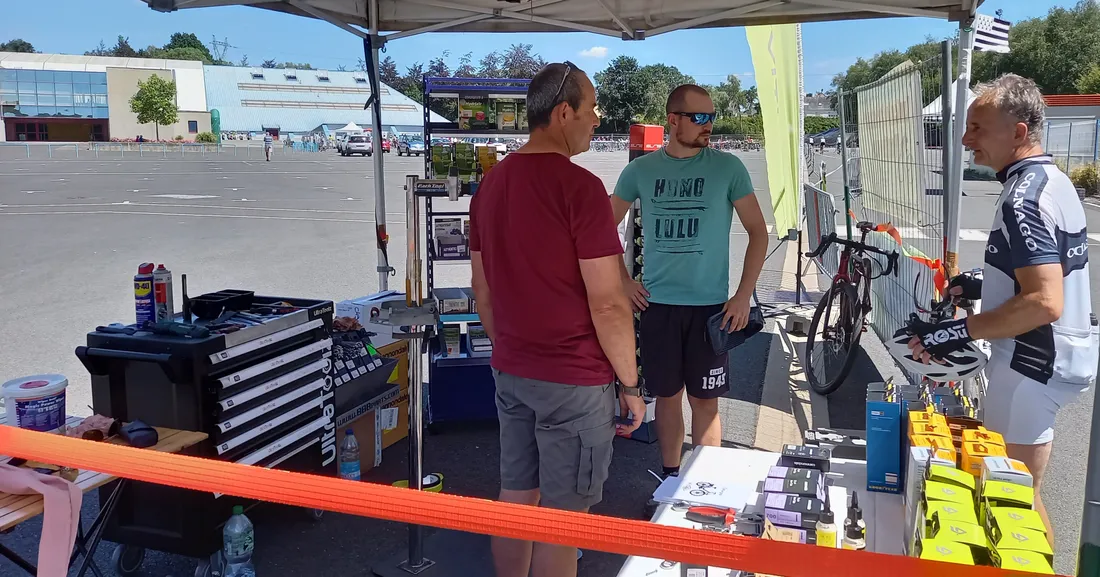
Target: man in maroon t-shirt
546,257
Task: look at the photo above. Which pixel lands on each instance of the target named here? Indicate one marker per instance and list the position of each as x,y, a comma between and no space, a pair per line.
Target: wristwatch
634,391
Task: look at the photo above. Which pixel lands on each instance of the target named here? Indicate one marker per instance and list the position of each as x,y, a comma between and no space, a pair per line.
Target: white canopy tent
626,19
935,108
350,127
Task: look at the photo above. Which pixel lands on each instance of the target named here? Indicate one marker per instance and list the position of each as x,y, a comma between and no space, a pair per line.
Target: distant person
541,231
691,192
269,143
1037,308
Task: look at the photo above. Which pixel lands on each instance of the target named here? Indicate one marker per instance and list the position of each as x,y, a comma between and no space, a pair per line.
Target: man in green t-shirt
689,193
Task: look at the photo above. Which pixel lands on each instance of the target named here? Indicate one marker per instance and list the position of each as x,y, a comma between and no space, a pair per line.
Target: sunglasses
700,118
569,68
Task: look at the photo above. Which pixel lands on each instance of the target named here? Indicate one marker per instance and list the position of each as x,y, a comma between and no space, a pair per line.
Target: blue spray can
144,300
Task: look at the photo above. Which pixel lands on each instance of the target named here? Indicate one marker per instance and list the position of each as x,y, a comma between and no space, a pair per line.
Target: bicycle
838,337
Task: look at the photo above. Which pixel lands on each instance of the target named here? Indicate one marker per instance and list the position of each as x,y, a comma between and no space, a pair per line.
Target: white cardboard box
360,309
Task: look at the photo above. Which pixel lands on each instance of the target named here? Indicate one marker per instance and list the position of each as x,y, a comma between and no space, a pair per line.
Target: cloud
595,52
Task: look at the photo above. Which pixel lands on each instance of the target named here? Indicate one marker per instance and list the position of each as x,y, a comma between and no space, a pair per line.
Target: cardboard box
942,445
452,300
1014,517
361,308
365,421
805,457
973,453
919,459
951,476
943,550
933,428
970,534
792,510
935,491
983,435
1007,470
884,445
795,473
1001,494
1026,561
1011,538
400,401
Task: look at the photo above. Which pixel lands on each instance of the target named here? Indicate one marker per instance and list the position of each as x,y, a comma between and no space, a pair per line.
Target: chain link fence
895,176
1072,143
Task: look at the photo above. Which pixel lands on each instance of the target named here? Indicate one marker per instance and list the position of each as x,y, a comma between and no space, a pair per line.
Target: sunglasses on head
700,118
569,68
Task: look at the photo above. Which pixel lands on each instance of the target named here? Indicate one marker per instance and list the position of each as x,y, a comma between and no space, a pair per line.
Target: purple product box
792,510
794,473
799,487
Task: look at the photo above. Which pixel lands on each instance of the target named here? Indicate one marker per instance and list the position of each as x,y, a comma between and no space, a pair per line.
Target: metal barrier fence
821,219
895,177
128,150
1074,143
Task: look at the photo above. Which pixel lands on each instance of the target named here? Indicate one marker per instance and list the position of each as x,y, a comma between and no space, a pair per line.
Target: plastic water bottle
238,541
349,457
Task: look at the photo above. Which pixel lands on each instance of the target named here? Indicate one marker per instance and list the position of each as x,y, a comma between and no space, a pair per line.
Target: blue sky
74,26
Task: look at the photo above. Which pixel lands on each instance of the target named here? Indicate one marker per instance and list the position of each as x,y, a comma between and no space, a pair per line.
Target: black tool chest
264,394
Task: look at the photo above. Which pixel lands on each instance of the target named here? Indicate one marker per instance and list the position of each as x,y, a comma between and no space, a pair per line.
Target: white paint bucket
36,403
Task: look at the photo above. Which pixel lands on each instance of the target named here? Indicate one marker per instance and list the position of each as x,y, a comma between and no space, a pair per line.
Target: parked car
410,146
385,145
358,144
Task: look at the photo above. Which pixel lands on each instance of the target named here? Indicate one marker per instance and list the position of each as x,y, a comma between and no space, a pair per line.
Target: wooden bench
15,509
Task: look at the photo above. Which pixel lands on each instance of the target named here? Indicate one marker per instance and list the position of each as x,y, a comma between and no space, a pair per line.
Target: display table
738,472
15,509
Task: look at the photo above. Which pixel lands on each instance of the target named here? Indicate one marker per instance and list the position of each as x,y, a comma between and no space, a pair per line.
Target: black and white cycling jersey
1040,220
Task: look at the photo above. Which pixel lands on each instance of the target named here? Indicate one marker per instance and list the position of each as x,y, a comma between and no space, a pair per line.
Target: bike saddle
865,226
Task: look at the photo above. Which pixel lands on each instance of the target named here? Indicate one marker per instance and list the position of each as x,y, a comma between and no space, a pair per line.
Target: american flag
991,34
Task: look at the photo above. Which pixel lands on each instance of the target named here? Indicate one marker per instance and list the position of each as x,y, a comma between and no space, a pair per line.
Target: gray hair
554,84
1018,98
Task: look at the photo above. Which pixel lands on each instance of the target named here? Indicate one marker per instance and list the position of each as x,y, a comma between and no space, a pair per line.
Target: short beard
700,142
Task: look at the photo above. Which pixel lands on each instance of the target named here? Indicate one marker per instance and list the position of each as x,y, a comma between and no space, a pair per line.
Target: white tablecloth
738,472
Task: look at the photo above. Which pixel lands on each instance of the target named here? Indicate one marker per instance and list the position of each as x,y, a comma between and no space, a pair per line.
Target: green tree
621,94
155,101
465,66
519,62
750,101
189,40
438,66
16,45
490,66
660,80
412,83
179,54
1089,82
269,63
387,70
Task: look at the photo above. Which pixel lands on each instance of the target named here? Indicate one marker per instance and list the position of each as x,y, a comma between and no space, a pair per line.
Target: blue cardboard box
884,443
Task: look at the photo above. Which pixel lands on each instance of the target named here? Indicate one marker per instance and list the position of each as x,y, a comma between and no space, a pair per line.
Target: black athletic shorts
676,352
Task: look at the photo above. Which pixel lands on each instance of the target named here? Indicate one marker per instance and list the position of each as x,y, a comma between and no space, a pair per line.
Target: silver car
358,144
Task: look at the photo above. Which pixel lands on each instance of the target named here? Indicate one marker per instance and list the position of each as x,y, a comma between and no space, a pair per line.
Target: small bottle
853,539
855,516
349,457
826,530
238,540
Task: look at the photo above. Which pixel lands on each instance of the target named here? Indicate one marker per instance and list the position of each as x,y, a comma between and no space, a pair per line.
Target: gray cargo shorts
555,438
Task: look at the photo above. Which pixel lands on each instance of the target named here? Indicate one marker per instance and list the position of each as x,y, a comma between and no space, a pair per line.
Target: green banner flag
777,63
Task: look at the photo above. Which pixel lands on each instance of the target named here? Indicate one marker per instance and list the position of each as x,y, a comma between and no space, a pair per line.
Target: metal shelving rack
436,88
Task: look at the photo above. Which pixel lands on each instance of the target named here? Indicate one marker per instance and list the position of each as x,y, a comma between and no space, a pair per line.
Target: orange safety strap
939,277
594,532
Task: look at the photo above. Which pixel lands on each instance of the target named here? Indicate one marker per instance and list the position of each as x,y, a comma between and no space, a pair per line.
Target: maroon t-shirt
532,218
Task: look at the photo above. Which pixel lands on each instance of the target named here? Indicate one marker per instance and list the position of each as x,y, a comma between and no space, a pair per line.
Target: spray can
143,294
162,293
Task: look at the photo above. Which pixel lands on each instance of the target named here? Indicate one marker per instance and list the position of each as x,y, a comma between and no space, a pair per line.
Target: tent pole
370,55
952,194
946,140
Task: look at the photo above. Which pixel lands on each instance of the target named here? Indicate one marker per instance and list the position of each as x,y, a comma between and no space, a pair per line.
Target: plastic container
36,403
349,457
239,542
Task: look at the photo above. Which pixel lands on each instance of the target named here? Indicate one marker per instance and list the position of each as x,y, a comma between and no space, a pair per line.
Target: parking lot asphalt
74,231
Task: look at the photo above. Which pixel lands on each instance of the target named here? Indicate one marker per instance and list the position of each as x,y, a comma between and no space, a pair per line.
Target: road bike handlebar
831,238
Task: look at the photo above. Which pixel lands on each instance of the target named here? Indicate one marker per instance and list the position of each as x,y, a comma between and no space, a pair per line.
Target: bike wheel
833,338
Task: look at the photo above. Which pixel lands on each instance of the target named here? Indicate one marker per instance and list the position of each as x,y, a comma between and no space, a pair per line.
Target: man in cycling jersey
1038,312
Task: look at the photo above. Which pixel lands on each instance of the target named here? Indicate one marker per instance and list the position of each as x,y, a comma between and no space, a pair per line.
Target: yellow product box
944,550
936,491
983,435
1012,517
950,512
970,534
950,476
1002,494
974,452
1012,540
1026,561
944,449
1007,470
934,428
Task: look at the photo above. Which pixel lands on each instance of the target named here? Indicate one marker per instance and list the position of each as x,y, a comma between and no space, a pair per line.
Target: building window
360,80
291,76
322,78
193,126
257,75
